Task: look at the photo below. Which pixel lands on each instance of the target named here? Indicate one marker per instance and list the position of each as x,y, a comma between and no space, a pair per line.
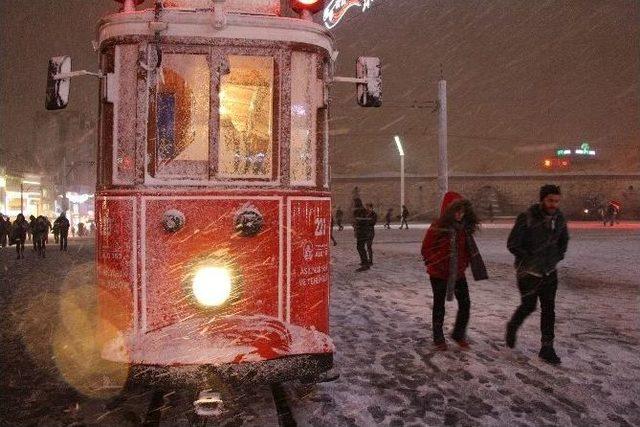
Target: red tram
213,208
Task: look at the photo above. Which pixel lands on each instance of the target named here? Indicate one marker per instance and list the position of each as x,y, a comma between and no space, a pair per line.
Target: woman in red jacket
448,248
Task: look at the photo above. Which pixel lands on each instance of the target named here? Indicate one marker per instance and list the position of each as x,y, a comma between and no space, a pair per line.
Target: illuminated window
303,119
245,143
182,115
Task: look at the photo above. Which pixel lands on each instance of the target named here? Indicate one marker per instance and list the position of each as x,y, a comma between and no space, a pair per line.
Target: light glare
212,286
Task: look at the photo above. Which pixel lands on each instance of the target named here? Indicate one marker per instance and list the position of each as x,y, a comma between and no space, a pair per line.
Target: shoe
510,336
462,343
548,355
440,346
363,268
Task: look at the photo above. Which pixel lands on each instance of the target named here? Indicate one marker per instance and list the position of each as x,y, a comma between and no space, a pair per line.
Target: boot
510,336
548,355
440,346
462,343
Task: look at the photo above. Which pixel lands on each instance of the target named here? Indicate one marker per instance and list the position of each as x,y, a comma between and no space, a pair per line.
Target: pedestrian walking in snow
19,231
4,231
361,230
40,233
339,218
333,240
538,241
403,217
63,225
448,249
387,219
32,225
373,219
56,232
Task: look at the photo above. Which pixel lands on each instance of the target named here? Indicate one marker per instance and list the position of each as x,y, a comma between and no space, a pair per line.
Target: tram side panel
116,266
308,262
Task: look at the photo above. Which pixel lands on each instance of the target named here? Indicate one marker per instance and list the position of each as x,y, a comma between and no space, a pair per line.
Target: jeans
461,292
531,289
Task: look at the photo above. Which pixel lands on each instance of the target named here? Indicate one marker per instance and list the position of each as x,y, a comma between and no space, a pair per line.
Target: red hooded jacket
436,246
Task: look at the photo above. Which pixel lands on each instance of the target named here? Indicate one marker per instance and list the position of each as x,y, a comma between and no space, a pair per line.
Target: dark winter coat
62,223
373,220
538,241
362,223
19,230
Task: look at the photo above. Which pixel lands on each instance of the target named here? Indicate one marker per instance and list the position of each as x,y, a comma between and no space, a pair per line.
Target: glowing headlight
212,285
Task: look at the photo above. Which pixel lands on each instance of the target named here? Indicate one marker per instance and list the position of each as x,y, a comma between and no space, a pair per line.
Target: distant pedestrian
373,219
40,233
361,230
4,231
339,218
387,219
403,217
448,249
539,240
611,213
19,231
63,225
333,240
32,224
56,232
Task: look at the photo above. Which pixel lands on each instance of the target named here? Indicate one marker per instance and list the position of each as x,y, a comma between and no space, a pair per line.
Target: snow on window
182,119
303,119
245,147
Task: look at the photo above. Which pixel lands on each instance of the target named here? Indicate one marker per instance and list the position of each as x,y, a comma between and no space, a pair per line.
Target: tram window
245,143
182,115
303,119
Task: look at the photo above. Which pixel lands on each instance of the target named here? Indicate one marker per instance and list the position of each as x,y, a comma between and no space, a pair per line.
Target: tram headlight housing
311,5
212,285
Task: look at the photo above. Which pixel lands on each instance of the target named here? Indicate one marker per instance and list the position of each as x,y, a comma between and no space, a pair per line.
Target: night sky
524,78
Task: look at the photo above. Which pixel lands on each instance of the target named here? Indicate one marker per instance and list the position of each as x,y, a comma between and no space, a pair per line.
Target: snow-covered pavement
390,375
381,326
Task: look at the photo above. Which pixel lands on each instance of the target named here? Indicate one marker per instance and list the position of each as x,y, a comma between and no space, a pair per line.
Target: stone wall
508,195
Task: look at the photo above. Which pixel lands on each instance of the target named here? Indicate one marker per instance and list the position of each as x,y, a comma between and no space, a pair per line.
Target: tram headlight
212,285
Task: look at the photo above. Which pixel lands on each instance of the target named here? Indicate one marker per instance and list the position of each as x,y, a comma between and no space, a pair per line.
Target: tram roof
200,24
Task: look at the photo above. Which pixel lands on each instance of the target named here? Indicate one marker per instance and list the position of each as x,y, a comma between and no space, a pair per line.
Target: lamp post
401,152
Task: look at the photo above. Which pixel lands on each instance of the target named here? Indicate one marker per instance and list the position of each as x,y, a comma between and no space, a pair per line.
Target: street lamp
401,152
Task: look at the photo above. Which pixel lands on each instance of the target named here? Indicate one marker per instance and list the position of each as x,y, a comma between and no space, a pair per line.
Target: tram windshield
246,118
189,140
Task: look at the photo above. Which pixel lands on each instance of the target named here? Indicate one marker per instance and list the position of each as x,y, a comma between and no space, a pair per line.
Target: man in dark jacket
538,241
362,230
373,220
63,225
4,231
339,218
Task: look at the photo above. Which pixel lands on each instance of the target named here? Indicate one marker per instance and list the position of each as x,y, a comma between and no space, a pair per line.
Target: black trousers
63,240
533,289
362,251
369,246
461,292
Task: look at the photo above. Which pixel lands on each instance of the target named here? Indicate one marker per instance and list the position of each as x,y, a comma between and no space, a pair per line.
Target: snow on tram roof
259,7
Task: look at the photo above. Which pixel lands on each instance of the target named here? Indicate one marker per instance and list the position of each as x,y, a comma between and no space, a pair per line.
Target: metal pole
21,197
401,183
443,169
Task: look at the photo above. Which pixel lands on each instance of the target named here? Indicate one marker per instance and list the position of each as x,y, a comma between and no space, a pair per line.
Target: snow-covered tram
213,208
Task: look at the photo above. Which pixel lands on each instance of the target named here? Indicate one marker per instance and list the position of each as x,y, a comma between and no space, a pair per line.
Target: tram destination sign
337,9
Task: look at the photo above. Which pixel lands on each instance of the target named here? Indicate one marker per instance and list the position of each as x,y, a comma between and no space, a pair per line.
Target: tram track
156,409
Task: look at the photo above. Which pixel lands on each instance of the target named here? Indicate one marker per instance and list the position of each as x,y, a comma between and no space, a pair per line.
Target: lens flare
212,286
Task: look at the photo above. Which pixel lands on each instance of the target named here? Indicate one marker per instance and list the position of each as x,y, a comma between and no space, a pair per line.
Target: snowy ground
381,325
